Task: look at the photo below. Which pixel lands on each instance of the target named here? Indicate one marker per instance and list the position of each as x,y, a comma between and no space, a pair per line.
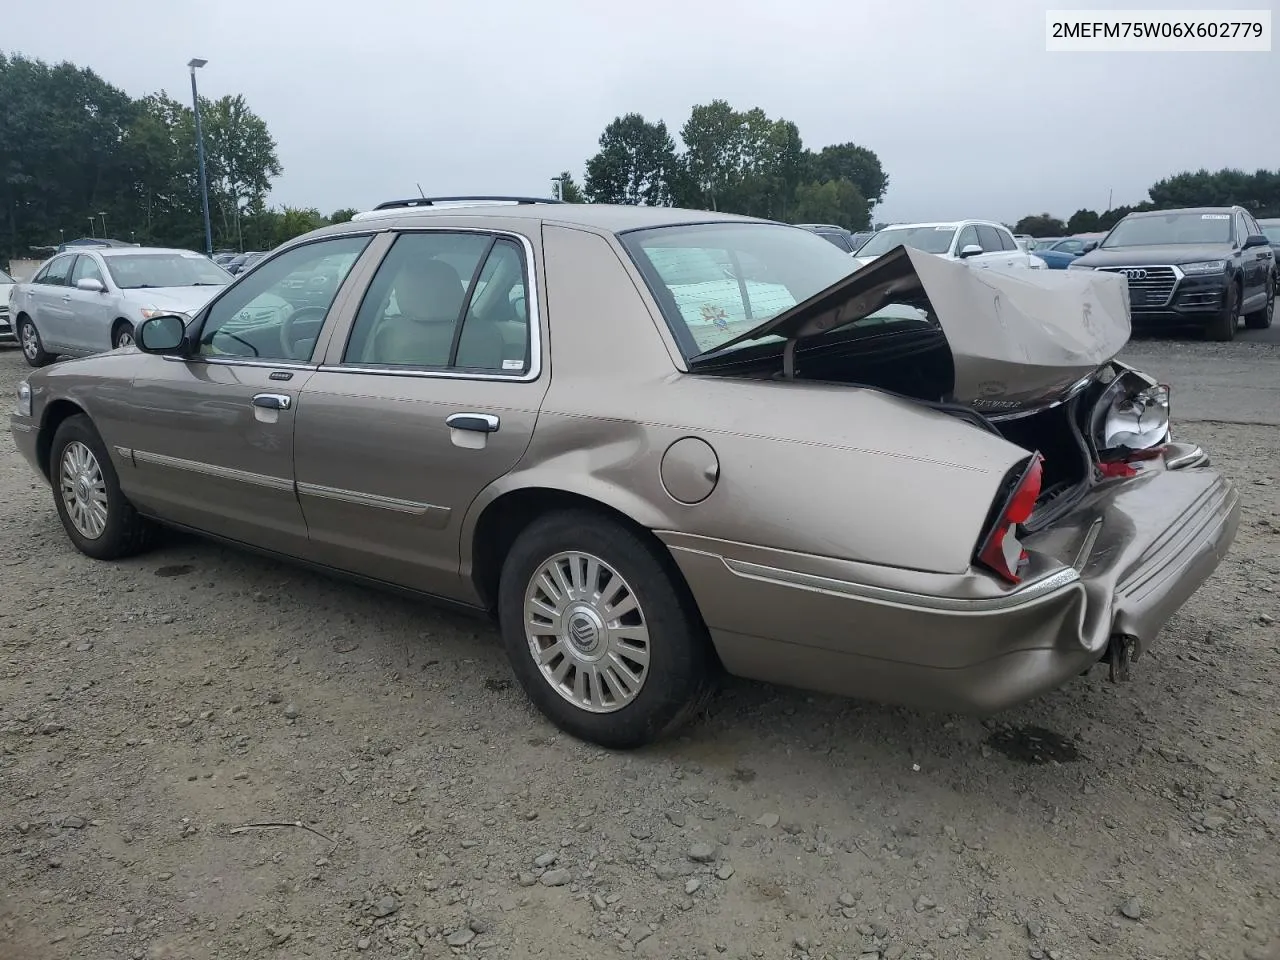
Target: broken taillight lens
1001,552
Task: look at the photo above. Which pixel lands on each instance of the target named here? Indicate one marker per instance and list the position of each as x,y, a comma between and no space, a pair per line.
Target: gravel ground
205,755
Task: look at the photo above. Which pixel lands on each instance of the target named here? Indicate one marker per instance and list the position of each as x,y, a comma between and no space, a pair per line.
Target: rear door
48,306
431,397
1256,261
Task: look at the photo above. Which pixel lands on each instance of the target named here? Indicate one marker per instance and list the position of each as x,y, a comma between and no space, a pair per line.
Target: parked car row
643,502
980,243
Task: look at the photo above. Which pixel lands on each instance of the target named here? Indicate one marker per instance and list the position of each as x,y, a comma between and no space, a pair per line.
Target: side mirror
163,334
90,285
970,250
1255,240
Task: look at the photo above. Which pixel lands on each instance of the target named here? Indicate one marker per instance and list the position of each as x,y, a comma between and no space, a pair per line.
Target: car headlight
1136,419
24,399
1202,268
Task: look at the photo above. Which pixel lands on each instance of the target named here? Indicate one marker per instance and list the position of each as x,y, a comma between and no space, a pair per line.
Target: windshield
927,239
1271,231
138,271
715,281
1172,228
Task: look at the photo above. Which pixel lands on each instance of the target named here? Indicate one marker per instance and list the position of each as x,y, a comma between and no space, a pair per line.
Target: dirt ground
207,755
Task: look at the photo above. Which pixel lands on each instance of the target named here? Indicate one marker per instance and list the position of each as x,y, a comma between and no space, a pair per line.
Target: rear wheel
1261,319
1223,326
98,518
32,346
604,640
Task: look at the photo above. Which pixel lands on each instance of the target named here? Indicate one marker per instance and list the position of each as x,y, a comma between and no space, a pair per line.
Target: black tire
32,350
122,328
681,662
125,532
1261,319
1223,326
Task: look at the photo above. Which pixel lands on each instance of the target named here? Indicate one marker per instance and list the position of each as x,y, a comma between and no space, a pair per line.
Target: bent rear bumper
1122,562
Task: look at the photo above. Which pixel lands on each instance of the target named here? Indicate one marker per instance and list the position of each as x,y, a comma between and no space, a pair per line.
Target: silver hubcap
125,339
84,492
586,632
30,342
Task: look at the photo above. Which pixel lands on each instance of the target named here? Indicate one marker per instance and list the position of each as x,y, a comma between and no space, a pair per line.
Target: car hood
1154,256
178,299
1017,338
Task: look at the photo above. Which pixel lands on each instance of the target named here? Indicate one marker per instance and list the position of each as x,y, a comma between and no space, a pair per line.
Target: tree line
1257,192
79,156
734,161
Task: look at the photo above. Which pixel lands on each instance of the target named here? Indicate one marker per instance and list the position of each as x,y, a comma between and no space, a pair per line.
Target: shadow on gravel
1033,745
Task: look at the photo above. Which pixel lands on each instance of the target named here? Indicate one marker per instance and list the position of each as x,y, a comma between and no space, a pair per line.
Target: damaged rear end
1107,521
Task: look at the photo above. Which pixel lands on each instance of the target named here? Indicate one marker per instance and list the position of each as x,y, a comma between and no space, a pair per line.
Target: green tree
570,192
848,161
635,164
240,156
1083,221
342,215
832,201
1040,225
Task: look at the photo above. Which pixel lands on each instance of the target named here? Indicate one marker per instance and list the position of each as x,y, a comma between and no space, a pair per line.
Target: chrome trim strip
125,453
418,372
21,427
1086,546
1193,457
212,470
437,517
1025,594
244,362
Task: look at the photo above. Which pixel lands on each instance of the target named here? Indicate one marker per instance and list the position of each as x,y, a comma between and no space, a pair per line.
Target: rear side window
446,301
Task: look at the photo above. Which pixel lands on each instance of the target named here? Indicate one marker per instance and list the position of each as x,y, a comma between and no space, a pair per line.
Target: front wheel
1261,319
97,517
1223,326
122,336
604,640
32,346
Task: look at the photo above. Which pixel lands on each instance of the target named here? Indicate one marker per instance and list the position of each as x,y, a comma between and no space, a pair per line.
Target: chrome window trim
244,362
533,307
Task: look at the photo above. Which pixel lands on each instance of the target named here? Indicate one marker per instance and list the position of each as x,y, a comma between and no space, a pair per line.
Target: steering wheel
288,343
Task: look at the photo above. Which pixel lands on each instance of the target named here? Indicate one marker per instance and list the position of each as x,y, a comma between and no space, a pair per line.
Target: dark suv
836,235
1200,267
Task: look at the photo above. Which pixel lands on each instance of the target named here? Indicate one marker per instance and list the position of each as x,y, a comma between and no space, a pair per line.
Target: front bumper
1120,564
1194,302
25,434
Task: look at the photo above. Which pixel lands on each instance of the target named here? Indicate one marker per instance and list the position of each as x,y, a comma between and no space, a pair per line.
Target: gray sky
969,114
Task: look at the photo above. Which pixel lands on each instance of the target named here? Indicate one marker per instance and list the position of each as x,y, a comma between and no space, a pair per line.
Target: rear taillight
1001,552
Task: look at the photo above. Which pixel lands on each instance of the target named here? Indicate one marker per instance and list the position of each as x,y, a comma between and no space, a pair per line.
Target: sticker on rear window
1215,216
944,228
512,364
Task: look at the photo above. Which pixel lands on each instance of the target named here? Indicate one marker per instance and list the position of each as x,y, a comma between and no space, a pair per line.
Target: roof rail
821,226
432,201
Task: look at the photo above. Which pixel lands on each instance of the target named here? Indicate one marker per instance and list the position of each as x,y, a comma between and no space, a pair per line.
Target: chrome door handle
273,401
477,422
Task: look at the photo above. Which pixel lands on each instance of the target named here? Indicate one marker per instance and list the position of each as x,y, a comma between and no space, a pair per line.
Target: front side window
1148,230
989,238
267,317
968,238
143,271
86,269
55,274
446,301
715,281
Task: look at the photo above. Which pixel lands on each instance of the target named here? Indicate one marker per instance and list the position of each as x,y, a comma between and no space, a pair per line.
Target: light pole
194,64
92,223
103,216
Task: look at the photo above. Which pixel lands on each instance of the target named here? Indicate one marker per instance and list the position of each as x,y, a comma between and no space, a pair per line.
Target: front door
89,312
432,397
211,435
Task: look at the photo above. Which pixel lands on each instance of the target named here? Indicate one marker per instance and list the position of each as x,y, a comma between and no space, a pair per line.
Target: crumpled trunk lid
1018,339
